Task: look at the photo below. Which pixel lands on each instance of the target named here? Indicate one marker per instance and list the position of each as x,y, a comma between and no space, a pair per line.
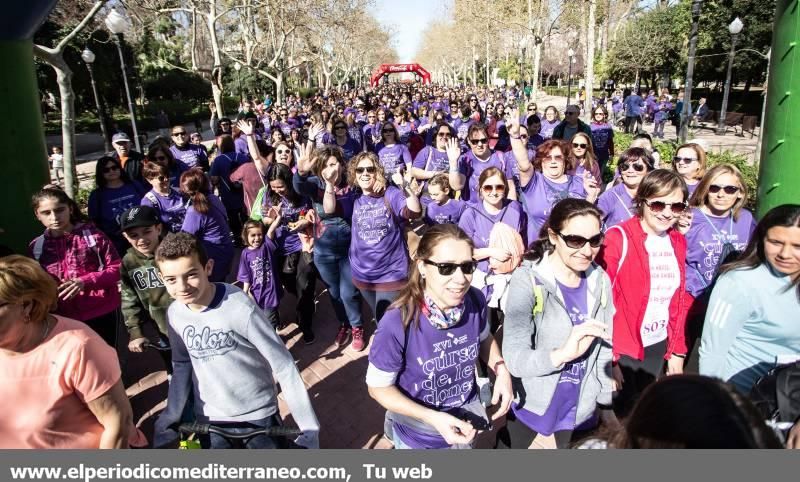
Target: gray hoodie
528,340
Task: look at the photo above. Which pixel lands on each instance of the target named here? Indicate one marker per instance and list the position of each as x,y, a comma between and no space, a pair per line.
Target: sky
408,19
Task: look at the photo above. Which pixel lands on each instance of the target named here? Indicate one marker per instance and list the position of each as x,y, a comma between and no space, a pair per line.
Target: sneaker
343,336
358,343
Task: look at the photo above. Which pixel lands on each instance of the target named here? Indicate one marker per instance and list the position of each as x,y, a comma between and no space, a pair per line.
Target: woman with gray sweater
557,332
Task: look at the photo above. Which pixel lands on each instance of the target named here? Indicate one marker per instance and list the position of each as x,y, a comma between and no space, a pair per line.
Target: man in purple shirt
190,154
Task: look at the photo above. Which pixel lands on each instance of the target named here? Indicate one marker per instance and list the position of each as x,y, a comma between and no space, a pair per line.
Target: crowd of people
523,277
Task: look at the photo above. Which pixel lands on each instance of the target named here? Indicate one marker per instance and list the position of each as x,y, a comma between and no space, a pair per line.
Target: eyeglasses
715,188
577,242
176,134
444,134
482,140
283,151
110,169
578,145
687,160
599,114
161,178
368,170
446,269
558,158
388,131
500,188
658,206
570,113
637,166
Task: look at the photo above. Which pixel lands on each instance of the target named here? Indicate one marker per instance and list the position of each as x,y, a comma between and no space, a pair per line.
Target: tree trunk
279,86
589,67
216,92
64,80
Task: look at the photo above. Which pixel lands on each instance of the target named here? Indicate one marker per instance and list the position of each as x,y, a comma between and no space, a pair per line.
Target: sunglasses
283,151
687,160
368,170
658,206
500,188
531,109
340,127
578,145
446,269
637,166
482,140
473,100
577,242
175,134
554,158
599,114
110,169
714,188
570,113
161,178
161,158
444,134
387,131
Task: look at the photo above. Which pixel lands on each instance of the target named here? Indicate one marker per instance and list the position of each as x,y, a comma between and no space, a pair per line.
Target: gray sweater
233,352
528,340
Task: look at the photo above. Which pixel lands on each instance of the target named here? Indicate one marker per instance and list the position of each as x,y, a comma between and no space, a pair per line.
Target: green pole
779,171
24,164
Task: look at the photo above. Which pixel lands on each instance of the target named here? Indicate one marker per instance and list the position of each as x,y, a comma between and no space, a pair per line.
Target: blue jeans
215,441
379,301
335,272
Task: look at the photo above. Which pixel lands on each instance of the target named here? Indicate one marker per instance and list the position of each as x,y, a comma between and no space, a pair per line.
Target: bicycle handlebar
206,428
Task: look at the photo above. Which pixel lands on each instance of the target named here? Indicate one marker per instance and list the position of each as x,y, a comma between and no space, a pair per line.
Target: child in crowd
224,355
57,164
144,297
441,208
258,269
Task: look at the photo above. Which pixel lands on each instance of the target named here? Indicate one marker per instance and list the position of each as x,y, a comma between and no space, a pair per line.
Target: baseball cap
139,216
120,137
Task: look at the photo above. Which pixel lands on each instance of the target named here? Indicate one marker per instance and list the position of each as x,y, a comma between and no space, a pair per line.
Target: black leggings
299,277
638,375
517,435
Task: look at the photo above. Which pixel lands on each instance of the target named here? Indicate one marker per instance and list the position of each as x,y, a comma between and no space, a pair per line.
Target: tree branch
95,8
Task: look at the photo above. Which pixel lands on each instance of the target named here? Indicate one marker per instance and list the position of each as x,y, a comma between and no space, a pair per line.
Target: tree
54,56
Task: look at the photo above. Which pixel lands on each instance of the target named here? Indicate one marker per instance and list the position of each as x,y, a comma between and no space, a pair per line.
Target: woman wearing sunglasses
405,126
616,203
114,194
582,156
545,180
341,138
168,201
645,257
478,159
557,332
422,361
751,322
690,162
717,229
161,154
441,157
394,157
602,136
378,255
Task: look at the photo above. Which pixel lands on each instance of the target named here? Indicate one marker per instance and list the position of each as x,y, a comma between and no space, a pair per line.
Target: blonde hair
589,161
23,280
700,196
701,158
380,173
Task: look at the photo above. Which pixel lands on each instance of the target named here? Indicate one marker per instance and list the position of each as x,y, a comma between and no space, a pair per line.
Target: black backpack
776,395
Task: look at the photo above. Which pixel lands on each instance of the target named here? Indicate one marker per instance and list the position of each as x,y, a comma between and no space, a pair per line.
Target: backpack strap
38,247
538,296
624,250
152,198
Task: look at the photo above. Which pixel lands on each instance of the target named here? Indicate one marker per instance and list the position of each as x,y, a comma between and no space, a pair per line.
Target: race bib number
653,332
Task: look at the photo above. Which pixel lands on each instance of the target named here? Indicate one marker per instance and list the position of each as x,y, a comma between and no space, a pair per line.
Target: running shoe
343,336
358,343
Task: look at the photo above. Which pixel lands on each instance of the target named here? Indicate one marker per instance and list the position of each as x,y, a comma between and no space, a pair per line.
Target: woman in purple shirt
422,361
439,158
616,203
557,332
341,138
115,193
478,159
393,156
551,119
405,126
168,201
582,157
206,220
602,136
690,162
717,229
378,255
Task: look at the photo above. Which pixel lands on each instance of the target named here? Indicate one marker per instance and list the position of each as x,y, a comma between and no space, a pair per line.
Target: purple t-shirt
372,135
548,128
512,169
478,224
257,268
602,140
192,155
432,159
472,168
405,130
462,128
541,194
287,241
172,208
561,412
212,230
704,242
535,141
222,167
106,205
377,248
393,158
447,213
616,205
435,368
350,148
692,187
240,144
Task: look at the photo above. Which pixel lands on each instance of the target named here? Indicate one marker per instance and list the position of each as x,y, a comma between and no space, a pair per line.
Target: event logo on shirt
261,271
714,249
442,389
208,343
373,222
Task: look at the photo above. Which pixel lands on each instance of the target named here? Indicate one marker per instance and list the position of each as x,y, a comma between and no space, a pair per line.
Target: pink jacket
78,254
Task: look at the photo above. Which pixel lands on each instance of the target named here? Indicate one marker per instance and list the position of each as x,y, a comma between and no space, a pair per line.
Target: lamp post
735,28
571,54
117,23
238,67
88,58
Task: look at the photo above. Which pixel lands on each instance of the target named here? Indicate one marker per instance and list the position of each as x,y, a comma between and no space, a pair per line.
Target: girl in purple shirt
616,203
551,119
393,156
168,201
582,157
440,207
257,268
422,361
602,136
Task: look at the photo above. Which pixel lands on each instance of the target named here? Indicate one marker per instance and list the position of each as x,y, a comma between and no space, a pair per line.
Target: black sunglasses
658,206
446,269
687,160
714,188
388,131
482,140
362,170
577,242
182,133
111,168
579,145
637,166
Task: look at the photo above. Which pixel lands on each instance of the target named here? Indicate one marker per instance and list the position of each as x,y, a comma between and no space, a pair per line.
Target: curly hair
23,280
380,173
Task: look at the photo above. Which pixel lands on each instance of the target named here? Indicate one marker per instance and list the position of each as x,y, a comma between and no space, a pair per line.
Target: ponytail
195,185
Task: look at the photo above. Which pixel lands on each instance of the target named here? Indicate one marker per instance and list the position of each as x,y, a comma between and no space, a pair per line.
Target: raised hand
591,186
453,151
245,127
331,175
304,163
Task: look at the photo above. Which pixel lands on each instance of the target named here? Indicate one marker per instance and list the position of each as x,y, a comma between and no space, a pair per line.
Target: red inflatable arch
385,69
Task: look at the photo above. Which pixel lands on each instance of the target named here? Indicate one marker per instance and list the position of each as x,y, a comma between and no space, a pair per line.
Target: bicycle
189,430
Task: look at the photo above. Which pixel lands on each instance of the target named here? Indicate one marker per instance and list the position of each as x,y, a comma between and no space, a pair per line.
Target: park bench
740,122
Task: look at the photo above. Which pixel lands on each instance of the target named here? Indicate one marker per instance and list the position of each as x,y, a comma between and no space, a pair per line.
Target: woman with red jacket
645,258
